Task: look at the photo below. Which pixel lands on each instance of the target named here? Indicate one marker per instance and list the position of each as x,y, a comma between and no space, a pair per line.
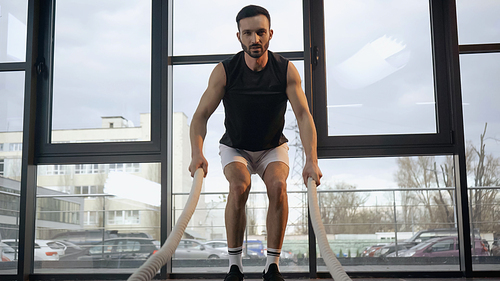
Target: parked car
86,238
194,249
222,245
116,249
495,248
254,248
288,256
71,248
7,253
45,250
370,251
385,251
400,253
425,235
444,247
217,244
285,256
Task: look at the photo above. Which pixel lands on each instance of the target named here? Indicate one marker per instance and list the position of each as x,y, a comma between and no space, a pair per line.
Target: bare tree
485,169
422,172
341,211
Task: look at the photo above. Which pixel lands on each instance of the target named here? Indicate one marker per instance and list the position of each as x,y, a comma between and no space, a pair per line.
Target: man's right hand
198,162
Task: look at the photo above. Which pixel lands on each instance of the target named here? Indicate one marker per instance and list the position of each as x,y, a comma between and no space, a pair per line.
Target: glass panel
482,132
478,21
13,16
373,206
211,27
102,71
11,124
207,225
100,221
379,68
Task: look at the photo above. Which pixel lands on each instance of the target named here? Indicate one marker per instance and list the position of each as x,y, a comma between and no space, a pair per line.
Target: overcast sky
102,68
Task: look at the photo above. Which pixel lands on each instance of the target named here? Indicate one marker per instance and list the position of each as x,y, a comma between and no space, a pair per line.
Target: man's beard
255,55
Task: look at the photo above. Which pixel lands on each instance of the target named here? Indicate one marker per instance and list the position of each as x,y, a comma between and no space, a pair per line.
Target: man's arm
305,121
209,101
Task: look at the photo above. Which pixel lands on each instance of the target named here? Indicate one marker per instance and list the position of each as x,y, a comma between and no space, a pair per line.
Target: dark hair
252,11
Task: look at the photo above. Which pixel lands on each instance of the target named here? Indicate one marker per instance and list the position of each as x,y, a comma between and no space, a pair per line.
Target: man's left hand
311,169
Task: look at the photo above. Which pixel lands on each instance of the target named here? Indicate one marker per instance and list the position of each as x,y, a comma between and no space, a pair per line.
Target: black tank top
255,103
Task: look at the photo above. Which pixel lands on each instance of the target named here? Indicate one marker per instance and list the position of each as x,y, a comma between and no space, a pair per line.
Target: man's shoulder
278,58
232,59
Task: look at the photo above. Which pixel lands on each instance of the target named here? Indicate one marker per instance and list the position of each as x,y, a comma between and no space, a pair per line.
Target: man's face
254,35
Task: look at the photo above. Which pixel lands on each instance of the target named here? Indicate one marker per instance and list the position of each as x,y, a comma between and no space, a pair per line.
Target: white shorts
255,161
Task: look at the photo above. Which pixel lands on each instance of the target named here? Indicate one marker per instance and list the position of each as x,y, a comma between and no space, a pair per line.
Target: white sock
273,256
235,257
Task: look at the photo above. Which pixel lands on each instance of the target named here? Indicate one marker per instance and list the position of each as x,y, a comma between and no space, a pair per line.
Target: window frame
391,144
128,151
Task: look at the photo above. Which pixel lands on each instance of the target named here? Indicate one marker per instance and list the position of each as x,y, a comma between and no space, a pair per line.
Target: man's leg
235,218
277,215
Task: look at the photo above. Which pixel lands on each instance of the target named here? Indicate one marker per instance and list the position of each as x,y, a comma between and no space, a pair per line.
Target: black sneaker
273,274
234,274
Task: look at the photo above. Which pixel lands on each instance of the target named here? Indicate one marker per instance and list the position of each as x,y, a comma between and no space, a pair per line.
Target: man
255,86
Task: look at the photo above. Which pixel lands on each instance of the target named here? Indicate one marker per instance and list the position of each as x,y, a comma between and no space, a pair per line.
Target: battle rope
149,268
333,265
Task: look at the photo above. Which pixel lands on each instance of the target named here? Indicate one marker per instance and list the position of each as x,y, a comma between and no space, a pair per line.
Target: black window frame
51,153
441,142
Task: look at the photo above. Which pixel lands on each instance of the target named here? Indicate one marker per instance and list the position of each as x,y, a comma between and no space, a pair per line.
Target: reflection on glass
478,21
384,213
13,16
11,138
379,68
97,217
102,70
218,18
482,133
207,224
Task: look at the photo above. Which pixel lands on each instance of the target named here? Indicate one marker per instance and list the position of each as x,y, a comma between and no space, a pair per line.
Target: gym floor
379,279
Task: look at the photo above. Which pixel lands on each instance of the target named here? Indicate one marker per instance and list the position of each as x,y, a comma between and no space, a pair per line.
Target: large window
12,80
110,88
379,81
477,31
102,70
124,208
13,31
13,34
11,120
478,21
373,206
219,19
482,132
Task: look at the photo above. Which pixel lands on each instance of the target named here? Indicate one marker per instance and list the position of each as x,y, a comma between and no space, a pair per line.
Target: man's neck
256,64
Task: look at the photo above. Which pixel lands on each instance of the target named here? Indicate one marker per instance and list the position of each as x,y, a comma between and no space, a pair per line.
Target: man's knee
238,192
276,190
239,179
239,188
